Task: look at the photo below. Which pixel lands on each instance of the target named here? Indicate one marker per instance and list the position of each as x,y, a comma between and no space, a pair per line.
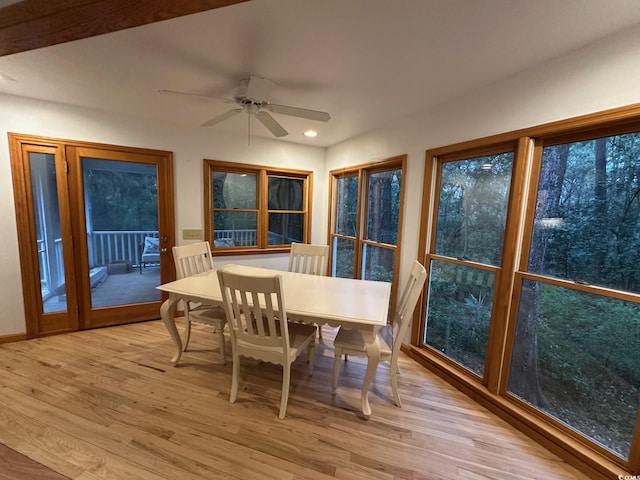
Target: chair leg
220,333
336,370
393,374
234,376
187,330
311,355
284,398
320,332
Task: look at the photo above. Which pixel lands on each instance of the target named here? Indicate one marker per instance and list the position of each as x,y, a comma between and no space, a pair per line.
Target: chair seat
209,315
300,335
353,341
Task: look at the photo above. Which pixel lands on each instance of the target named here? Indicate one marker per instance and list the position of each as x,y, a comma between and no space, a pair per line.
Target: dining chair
190,260
273,339
351,342
310,259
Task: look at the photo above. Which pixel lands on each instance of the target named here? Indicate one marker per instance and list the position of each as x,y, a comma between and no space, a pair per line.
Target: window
471,208
576,352
250,208
365,221
531,241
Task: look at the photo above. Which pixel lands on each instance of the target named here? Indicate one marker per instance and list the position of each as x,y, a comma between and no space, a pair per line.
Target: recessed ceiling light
311,133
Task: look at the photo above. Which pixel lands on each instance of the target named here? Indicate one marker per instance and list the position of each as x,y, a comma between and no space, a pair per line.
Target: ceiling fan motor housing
253,89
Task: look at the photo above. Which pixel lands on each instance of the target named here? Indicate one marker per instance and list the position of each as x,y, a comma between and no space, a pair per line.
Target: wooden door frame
40,324
24,219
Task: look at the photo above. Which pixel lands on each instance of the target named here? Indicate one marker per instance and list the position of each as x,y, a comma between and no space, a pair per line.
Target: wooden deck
118,289
106,404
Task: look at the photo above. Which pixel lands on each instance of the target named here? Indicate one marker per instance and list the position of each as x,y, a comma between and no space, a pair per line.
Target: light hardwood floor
107,404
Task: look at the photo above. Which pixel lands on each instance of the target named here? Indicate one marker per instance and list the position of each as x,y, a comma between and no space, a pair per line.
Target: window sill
227,252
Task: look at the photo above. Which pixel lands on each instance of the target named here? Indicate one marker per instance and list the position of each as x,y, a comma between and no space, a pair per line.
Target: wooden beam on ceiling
31,24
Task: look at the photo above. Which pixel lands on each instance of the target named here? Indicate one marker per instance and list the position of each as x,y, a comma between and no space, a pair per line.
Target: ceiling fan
251,97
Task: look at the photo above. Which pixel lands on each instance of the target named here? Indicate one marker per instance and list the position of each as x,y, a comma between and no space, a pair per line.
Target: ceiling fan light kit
251,97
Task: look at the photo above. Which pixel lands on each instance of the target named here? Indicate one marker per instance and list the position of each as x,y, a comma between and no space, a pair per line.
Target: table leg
167,313
373,357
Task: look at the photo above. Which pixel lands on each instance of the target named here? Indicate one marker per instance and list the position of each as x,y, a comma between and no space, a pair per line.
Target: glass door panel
121,216
124,220
46,213
94,234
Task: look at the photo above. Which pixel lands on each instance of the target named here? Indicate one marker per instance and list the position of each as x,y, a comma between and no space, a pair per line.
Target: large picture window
576,352
531,240
251,208
466,255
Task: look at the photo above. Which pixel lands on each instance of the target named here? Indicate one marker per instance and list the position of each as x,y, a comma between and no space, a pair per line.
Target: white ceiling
366,62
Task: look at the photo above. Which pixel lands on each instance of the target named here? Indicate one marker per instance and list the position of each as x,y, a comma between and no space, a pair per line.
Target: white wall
189,146
601,76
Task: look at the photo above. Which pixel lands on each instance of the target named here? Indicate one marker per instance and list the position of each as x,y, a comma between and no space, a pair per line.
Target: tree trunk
600,212
524,378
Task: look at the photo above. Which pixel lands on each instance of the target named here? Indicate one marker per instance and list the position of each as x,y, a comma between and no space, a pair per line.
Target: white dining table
346,302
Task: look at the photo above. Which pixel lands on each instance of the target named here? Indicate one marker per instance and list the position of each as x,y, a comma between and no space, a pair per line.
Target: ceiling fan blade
298,112
186,94
271,124
222,118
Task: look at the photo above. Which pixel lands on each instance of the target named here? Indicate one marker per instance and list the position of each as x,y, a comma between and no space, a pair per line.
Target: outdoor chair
149,252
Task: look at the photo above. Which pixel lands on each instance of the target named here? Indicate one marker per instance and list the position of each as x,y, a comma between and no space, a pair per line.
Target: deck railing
106,246
245,238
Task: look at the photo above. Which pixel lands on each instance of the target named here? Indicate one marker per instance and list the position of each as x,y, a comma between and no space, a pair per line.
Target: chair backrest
192,259
255,311
407,304
307,258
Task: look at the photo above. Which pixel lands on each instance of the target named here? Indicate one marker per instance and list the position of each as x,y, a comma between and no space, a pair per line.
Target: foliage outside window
586,234
533,284
469,231
251,208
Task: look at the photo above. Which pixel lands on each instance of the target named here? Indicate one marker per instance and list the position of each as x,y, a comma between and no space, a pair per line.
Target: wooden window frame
262,174
503,282
363,173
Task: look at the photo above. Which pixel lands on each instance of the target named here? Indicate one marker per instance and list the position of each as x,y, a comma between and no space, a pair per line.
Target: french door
85,215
